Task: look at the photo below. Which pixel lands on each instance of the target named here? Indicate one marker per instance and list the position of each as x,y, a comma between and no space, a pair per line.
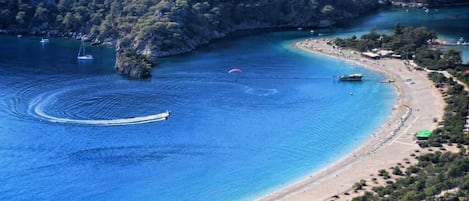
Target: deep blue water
230,136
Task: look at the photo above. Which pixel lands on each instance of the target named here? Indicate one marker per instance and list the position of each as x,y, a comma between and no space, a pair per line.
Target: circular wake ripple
106,101
100,104
18,89
260,91
136,154
12,107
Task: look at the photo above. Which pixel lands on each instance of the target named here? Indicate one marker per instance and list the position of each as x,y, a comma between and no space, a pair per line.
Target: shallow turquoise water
230,136
449,23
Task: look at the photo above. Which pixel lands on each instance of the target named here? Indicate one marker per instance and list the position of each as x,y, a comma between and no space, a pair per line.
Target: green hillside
166,27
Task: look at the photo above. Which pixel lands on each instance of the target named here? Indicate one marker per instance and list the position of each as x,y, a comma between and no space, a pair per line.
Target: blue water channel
230,136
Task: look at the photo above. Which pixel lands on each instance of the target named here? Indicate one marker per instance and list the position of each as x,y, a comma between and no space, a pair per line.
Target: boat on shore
351,77
387,81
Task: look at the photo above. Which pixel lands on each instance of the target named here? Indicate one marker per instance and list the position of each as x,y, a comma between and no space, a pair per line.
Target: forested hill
165,27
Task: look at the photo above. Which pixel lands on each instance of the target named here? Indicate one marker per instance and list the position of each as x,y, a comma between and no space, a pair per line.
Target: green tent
424,134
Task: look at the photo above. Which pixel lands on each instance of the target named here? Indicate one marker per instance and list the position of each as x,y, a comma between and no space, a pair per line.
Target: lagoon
230,136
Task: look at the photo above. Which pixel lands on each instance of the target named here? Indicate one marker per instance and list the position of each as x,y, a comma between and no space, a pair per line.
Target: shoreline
414,109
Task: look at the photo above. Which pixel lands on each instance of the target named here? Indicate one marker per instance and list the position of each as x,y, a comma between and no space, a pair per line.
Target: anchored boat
82,54
351,77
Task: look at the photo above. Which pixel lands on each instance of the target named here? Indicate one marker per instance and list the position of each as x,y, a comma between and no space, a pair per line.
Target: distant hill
153,28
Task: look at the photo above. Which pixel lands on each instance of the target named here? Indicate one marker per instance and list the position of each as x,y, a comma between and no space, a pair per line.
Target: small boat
351,77
387,81
82,54
44,40
166,114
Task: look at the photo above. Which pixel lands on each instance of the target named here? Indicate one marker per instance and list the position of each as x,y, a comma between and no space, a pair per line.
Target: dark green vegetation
436,176
405,40
461,74
112,18
133,64
416,43
433,174
454,118
434,59
408,42
165,27
170,24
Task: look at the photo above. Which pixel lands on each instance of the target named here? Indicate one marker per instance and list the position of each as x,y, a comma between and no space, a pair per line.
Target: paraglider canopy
235,70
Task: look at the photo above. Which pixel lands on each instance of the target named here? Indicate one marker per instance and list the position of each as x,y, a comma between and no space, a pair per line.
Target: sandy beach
417,105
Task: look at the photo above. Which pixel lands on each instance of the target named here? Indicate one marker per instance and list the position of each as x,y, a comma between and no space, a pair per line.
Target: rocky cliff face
181,26
131,69
128,63
154,28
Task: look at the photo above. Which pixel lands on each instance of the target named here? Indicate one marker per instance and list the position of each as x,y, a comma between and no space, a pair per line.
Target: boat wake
260,91
38,105
105,122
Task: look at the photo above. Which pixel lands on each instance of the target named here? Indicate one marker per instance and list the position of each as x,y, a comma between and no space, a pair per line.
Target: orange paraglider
235,70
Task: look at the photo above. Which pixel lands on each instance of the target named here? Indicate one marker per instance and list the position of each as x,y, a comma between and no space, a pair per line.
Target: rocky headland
150,29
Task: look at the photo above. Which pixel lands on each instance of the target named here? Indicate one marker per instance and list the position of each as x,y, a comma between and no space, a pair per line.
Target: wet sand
418,103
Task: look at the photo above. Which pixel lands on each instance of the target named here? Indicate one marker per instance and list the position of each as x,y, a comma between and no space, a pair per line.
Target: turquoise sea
230,136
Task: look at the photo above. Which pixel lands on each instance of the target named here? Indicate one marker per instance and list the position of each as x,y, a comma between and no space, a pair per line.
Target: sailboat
82,54
44,40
